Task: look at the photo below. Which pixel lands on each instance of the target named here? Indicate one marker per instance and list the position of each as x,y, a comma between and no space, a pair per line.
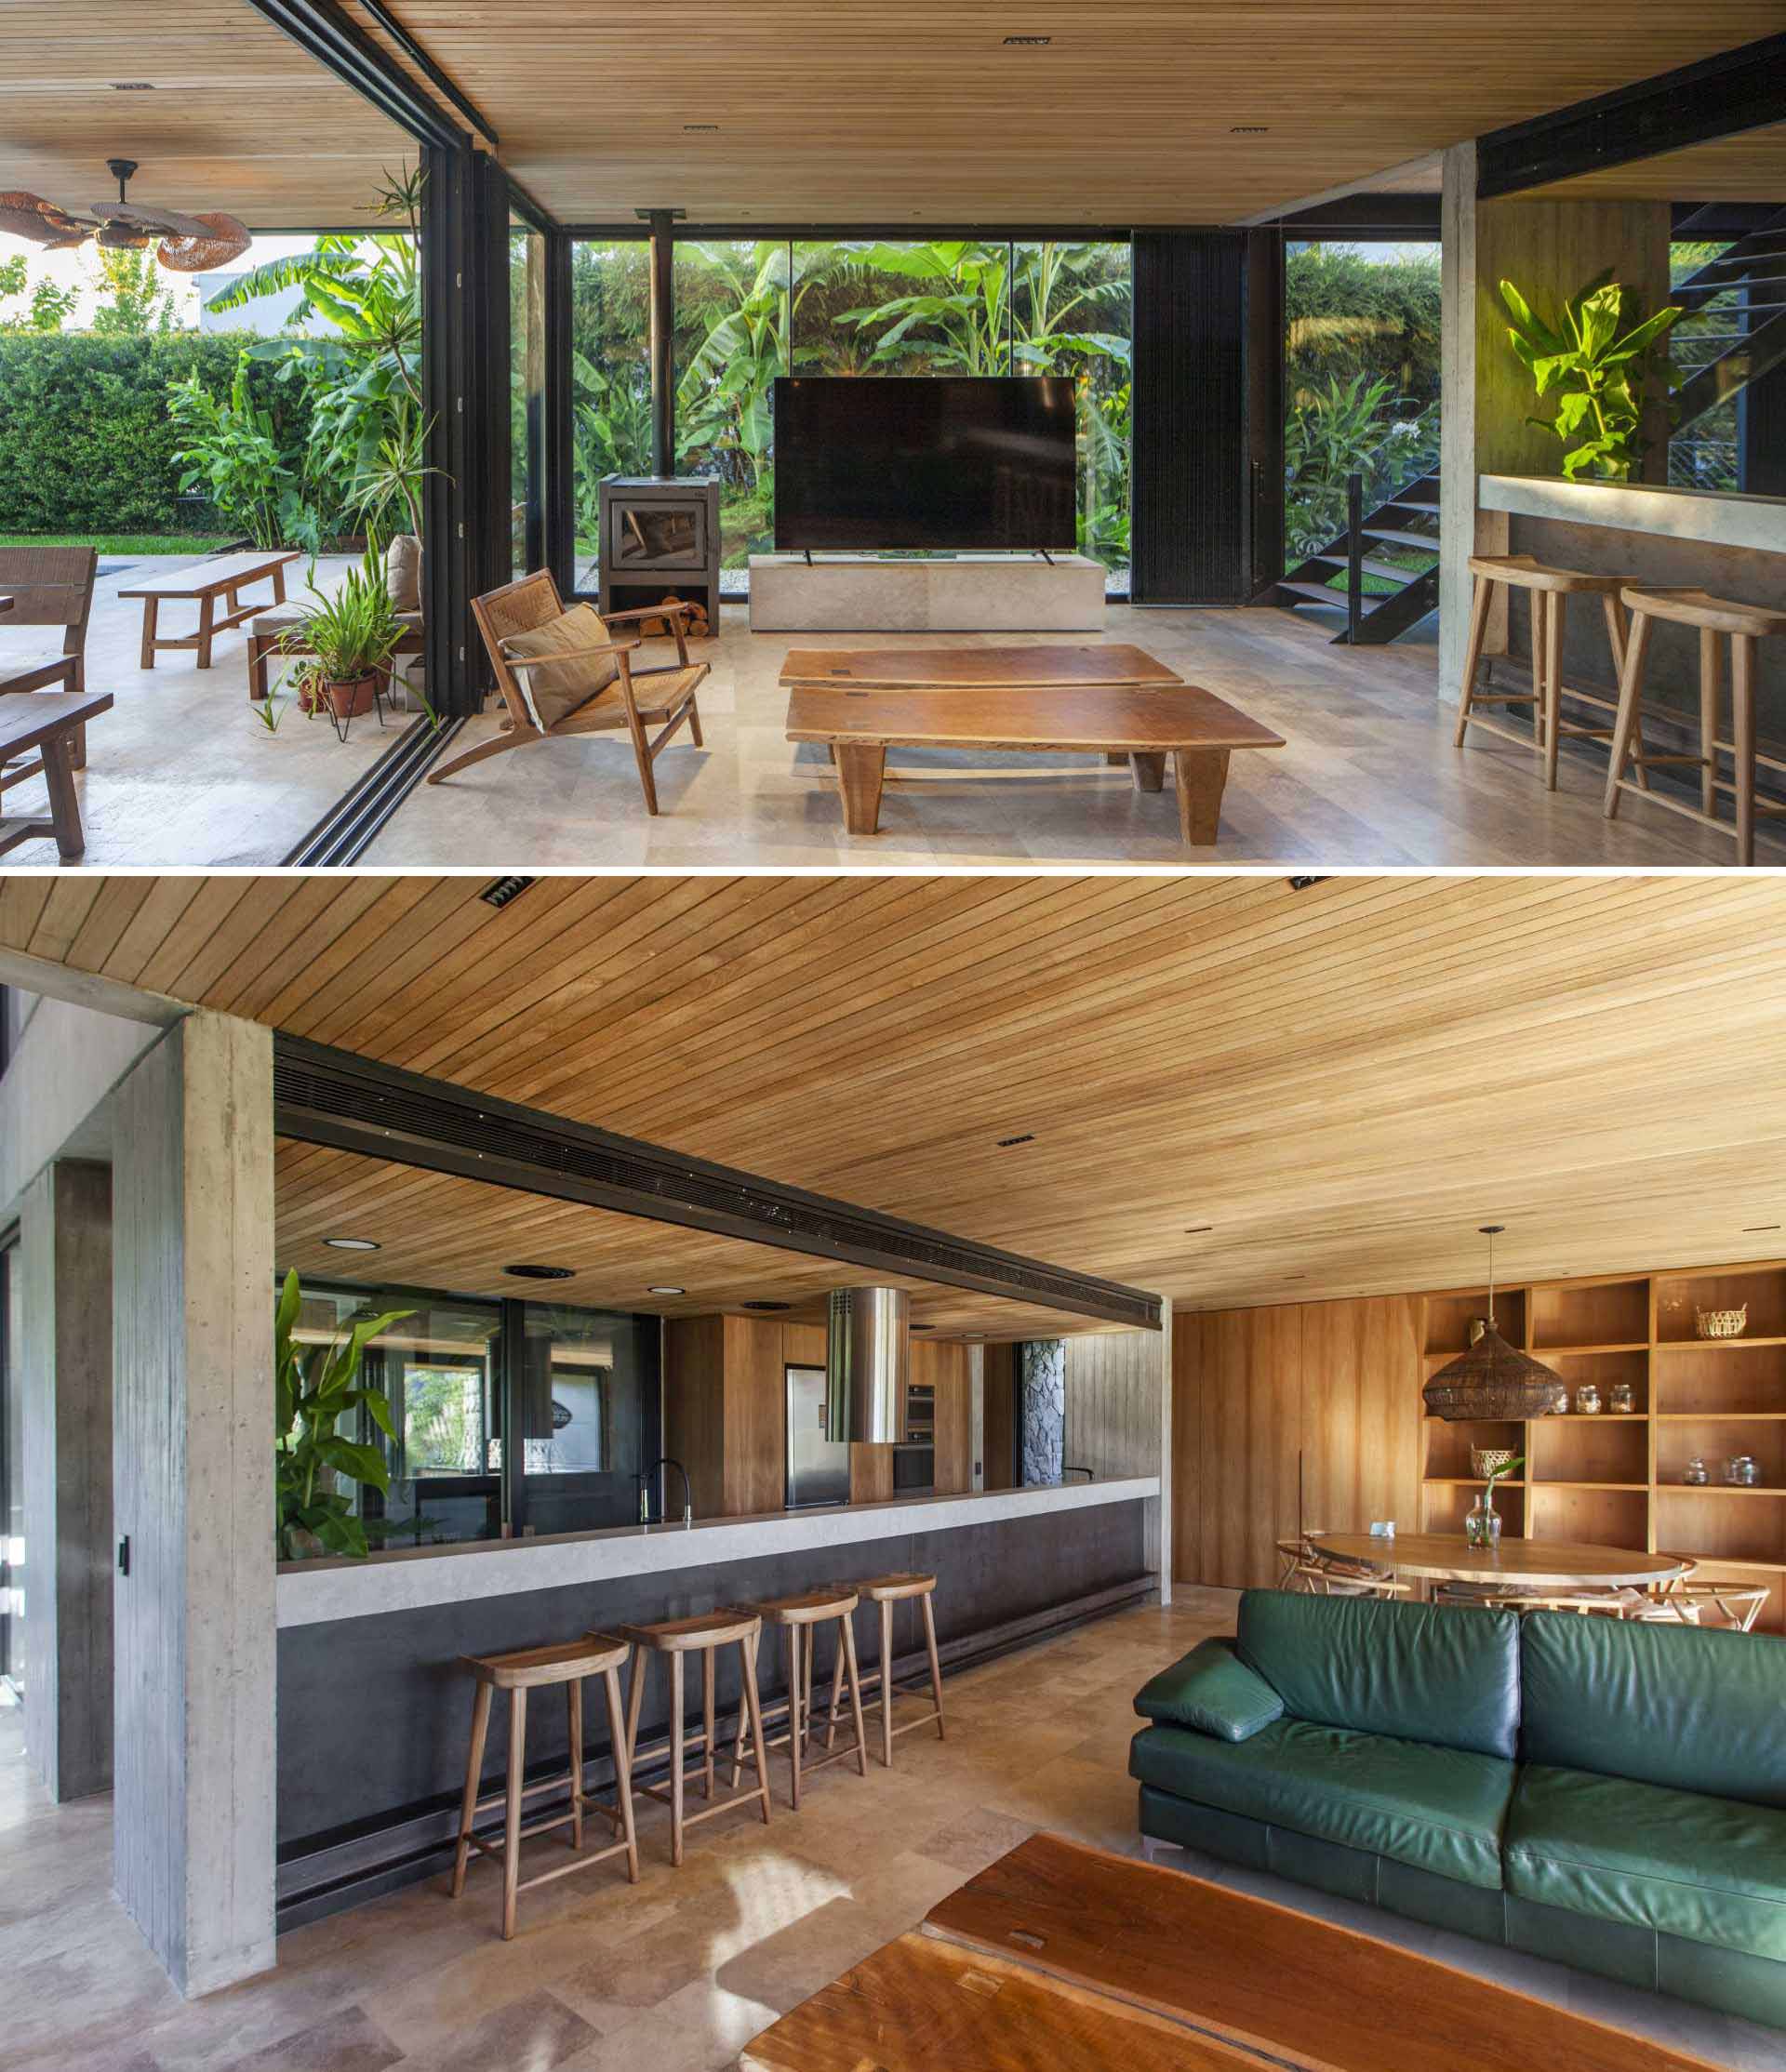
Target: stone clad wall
1041,1408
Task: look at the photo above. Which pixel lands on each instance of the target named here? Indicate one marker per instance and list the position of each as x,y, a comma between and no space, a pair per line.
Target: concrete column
65,1259
192,1489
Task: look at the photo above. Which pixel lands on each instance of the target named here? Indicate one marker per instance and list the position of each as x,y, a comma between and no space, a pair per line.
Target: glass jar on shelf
1623,1399
1694,1472
1587,1401
1741,1471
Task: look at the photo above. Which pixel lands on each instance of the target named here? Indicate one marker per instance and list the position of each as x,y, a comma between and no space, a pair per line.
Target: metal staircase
1408,523
1733,332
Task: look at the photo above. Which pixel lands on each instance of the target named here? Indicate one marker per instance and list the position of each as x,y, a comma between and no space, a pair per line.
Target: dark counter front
375,1713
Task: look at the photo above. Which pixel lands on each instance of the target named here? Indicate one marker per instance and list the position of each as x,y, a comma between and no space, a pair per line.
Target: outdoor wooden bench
205,583
48,722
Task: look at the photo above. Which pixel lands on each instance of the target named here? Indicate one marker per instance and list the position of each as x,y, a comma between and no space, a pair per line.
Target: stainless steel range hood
866,1338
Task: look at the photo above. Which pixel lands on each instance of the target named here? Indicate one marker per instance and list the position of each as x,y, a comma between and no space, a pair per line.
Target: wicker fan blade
163,222
30,215
226,239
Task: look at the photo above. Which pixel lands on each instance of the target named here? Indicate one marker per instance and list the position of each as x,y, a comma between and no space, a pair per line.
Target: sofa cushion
557,689
1415,1671
1437,1809
1692,1708
403,572
1212,1689
1713,1870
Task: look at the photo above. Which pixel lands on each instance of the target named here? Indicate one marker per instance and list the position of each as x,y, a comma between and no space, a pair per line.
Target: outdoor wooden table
1114,700
1520,1564
205,583
47,721
1061,1956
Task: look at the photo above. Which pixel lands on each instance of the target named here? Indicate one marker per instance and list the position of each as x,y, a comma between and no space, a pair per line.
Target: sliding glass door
12,1489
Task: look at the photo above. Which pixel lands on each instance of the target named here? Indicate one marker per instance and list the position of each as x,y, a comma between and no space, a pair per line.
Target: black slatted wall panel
1190,483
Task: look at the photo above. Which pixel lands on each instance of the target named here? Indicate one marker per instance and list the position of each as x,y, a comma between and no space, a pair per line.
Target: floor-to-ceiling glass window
1071,309
874,306
12,1454
527,460
1361,396
732,305
610,379
586,1407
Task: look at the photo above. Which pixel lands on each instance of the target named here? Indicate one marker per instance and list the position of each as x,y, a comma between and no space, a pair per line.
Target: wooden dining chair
49,586
566,672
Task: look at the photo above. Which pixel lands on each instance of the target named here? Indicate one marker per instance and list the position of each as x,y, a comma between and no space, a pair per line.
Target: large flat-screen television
938,462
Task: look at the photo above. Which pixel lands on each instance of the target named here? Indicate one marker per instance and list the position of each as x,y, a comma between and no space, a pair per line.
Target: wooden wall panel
694,1407
756,1417
1326,1389
1112,1424
999,1416
945,1367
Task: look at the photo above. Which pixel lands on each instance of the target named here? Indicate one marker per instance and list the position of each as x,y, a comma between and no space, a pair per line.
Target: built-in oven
914,1458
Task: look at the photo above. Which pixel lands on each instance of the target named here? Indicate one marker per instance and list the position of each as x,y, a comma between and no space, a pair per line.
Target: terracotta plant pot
347,700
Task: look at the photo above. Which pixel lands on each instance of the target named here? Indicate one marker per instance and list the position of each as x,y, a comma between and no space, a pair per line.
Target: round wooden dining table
1520,1564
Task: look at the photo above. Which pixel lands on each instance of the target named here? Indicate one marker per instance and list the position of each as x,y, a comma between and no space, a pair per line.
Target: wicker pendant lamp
1494,1379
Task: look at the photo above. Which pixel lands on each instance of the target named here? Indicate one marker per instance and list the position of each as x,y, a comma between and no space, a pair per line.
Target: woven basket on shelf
1489,1460
1721,1324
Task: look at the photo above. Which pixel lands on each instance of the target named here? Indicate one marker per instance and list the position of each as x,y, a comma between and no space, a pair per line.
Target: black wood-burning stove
661,539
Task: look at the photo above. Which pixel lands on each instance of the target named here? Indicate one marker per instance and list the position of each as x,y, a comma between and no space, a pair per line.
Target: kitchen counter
411,1579
1709,517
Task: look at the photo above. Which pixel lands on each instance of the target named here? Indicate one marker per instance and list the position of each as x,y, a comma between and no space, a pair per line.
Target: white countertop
1711,517
310,1592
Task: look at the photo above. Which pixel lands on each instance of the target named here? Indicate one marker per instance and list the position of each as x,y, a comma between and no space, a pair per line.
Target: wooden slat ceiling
856,112
1749,167
1343,1081
239,118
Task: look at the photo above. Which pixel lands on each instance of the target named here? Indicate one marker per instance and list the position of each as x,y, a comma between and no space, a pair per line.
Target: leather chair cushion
1434,1808
1689,1707
561,688
1212,1689
1711,1870
1417,1672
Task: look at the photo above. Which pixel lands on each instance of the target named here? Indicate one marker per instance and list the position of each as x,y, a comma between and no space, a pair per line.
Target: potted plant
1604,377
343,647
316,1387
1481,1527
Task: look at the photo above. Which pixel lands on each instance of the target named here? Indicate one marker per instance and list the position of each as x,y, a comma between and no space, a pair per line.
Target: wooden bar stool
1743,625
676,1639
1550,589
887,1591
800,1618
531,1668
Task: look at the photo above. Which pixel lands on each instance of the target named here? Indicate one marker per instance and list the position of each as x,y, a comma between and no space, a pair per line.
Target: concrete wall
65,1259
192,1489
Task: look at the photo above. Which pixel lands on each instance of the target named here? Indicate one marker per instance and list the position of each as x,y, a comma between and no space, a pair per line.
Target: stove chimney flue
866,1364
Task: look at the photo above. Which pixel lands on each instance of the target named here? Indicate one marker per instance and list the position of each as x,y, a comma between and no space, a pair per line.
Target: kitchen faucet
645,1482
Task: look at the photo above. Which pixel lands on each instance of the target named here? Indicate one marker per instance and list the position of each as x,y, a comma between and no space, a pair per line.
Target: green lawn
120,542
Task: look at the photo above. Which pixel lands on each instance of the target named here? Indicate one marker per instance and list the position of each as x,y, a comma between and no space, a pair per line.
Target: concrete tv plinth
964,594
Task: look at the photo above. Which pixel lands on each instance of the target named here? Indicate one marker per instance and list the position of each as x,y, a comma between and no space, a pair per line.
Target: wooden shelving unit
1614,1479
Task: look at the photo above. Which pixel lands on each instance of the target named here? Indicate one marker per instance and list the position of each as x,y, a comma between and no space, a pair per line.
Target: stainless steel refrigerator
818,1465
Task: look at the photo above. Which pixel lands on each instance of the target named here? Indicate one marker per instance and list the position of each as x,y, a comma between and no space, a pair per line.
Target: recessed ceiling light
1034,42
666,1290
700,126
1004,1143
527,1272
500,891
133,87
1246,130
352,1245
765,1307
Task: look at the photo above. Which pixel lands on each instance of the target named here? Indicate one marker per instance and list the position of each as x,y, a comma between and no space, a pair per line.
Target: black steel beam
345,50
1736,91
663,334
322,1096
560,502
1361,218
1265,324
442,80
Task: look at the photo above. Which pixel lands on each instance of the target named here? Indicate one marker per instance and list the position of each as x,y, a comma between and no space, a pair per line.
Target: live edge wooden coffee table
1063,1958
1045,699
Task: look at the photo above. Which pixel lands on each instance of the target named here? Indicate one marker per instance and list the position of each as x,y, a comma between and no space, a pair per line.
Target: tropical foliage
316,1387
1604,377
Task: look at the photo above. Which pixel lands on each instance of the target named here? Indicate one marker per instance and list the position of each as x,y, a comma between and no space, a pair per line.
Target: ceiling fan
183,244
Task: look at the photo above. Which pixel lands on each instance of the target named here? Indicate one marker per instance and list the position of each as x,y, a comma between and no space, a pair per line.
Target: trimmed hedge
87,444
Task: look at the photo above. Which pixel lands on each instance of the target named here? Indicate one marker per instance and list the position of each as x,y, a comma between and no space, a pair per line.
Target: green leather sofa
1607,1794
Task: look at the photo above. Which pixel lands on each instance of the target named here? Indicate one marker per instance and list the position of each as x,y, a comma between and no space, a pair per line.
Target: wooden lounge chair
563,672
49,586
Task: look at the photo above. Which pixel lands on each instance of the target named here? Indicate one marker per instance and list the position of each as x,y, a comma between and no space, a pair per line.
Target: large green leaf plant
1602,376
316,1388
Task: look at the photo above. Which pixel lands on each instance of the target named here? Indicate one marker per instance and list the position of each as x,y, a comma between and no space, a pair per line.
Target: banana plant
1600,375
315,1388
